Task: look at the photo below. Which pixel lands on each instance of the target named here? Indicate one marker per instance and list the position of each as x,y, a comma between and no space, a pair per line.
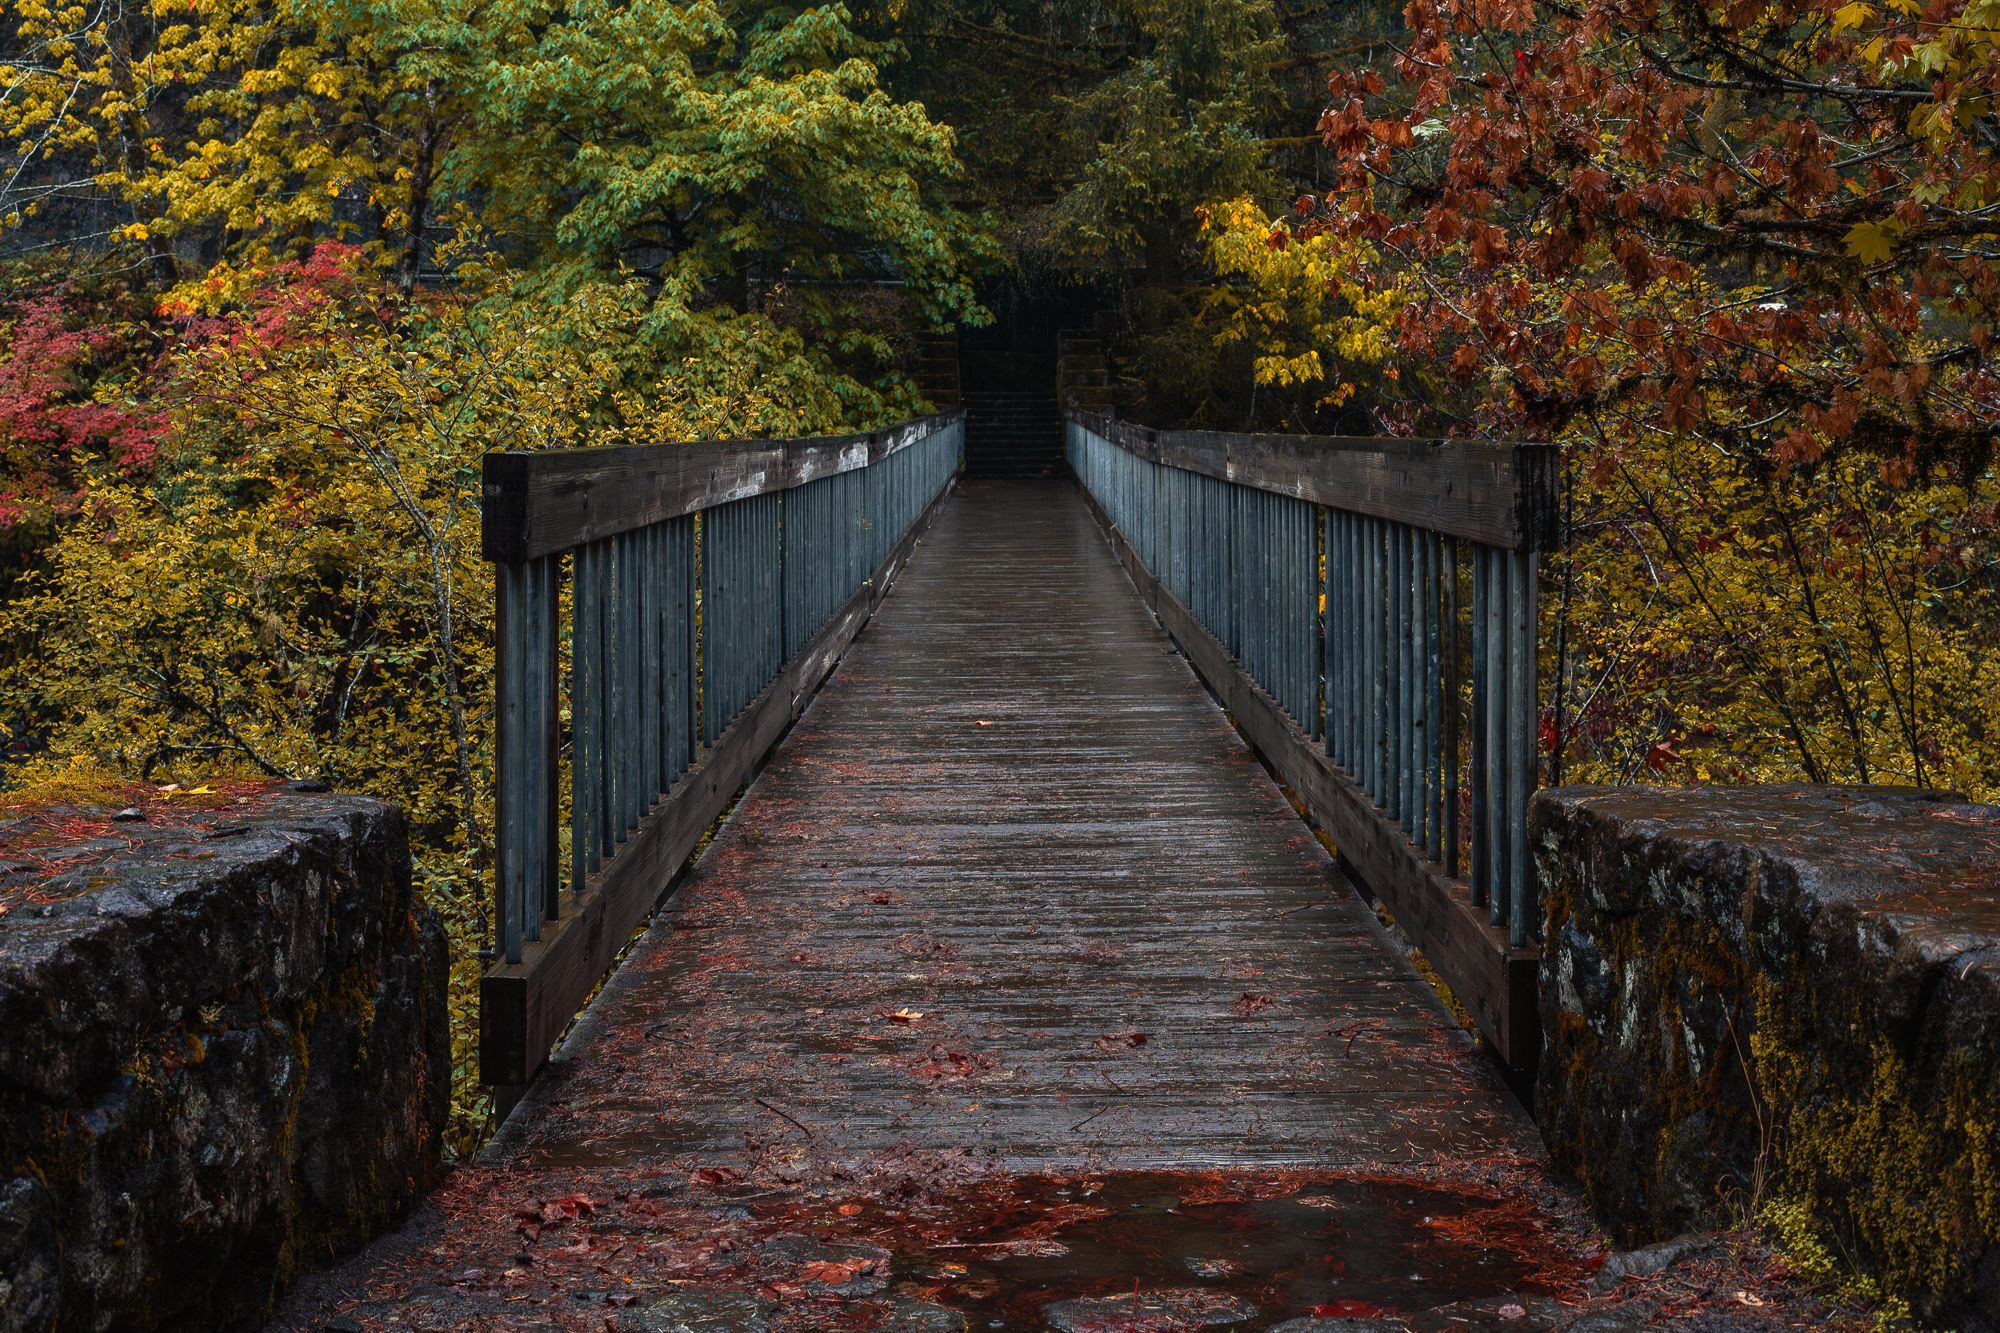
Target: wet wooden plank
1010,833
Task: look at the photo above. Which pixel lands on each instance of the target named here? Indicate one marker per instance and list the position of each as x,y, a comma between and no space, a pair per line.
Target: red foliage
56,352
1752,229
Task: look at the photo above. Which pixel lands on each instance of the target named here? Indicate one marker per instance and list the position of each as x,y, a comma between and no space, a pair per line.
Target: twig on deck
784,1117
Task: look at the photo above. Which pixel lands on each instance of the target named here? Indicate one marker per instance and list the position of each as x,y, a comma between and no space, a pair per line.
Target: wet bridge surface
1013,979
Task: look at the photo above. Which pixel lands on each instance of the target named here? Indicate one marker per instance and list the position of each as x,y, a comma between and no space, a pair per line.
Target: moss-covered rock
1781,994
222,1056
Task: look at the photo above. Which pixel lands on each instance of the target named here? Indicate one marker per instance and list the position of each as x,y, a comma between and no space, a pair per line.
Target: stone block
223,1055
1780,993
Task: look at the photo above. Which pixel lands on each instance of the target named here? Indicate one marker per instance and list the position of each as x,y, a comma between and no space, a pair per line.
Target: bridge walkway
1011,900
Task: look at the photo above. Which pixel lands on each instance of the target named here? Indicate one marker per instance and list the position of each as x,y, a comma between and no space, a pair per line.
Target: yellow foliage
1298,302
1718,620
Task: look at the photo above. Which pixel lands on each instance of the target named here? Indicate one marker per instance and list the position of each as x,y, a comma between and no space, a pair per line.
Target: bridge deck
1014,811
1012,897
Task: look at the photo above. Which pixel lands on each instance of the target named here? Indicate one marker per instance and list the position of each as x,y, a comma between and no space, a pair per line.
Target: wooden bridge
1062,877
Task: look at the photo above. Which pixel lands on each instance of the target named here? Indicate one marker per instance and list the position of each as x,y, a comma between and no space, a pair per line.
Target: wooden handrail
1501,495
537,504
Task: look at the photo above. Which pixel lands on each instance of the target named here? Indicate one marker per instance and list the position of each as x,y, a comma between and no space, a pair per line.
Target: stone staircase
1013,434
936,371
1083,371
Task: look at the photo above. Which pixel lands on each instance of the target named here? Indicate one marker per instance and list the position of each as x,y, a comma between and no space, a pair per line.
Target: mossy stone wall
1781,996
223,1057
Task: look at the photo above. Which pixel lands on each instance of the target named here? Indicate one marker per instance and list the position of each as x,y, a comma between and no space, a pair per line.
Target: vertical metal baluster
670,639
789,505
1221,500
743,608
1277,580
722,614
774,549
687,713
614,690
541,667
813,565
1475,764
1236,567
633,742
1364,661
628,687
1413,637
601,690
1453,708
809,559
1399,660
1523,723
1433,700
1423,672
1269,612
553,877
1392,646
1288,580
701,609
1342,637
735,607
766,600
1281,603
1260,586
1241,571
650,656
1419,683
1329,650
1319,552
711,639
1496,746
1350,639
511,775
584,746
1378,660
1413,749
1306,584
1360,669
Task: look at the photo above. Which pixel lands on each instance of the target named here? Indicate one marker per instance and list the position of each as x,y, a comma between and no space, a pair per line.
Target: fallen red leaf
836,1272
715,1176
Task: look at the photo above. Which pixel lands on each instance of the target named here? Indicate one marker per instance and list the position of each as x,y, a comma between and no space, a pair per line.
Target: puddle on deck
1333,1247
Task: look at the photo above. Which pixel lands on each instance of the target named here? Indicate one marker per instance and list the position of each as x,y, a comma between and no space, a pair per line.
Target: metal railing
663,612
1381,595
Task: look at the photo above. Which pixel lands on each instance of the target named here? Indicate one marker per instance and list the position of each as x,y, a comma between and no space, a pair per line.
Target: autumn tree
1743,259
249,128
295,586
745,163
